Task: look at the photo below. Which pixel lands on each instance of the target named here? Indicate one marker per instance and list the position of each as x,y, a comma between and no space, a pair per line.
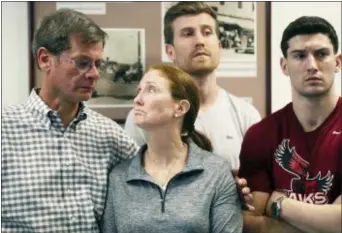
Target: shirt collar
136,171
36,105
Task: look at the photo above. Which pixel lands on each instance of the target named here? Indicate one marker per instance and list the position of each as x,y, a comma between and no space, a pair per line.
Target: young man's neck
208,89
312,112
67,110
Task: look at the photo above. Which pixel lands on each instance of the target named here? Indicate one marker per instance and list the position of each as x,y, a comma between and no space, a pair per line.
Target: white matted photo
237,26
122,68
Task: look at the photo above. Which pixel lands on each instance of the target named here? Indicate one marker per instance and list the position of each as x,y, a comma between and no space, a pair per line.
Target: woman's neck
163,150
165,157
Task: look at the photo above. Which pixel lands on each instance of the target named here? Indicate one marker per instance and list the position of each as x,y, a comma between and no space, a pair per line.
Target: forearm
265,224
312,218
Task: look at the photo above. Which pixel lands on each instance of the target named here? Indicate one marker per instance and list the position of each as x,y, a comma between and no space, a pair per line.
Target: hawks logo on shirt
303,187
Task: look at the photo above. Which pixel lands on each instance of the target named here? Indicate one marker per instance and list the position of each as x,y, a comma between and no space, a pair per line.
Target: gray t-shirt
201,198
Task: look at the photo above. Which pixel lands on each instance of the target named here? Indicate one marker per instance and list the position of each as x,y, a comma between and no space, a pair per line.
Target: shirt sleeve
134,131
124,146
225,214
256,158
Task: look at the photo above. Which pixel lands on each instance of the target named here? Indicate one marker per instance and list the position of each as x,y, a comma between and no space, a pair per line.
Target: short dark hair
185,8
182,86
308,25
56,29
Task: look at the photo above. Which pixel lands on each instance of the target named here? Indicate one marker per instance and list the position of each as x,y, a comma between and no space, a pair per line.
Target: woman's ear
182,107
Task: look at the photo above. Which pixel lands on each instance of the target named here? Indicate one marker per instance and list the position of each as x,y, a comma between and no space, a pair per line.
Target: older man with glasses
56,152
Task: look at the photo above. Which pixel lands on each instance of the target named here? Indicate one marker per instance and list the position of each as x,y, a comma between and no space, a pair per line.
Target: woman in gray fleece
174,184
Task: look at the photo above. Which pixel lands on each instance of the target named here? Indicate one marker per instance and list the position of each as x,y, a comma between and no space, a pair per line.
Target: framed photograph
237,26
121,71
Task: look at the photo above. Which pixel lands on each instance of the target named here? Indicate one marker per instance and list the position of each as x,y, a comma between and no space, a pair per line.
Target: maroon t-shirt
277,154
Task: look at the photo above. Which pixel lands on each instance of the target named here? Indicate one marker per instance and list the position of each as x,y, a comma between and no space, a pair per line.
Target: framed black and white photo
237,25
122,68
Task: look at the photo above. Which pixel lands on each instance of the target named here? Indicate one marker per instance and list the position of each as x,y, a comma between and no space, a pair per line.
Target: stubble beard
317,93
198,70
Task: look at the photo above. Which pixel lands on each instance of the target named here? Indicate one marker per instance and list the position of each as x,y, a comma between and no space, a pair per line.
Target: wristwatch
276,207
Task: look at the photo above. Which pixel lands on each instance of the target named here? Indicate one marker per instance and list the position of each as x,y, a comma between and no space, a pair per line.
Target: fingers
247,206
247,196
246,190
250,207
241,182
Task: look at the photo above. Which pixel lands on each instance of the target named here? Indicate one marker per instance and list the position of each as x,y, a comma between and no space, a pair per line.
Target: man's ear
220,44
44,59
283,65
182,107
338,63
170,52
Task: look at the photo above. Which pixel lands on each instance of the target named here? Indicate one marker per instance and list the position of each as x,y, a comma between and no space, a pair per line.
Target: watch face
275,210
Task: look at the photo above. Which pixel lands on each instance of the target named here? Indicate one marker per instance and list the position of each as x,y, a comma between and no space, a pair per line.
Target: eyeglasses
84,64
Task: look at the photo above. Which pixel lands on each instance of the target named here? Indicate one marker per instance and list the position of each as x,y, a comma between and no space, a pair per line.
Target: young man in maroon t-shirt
292,159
